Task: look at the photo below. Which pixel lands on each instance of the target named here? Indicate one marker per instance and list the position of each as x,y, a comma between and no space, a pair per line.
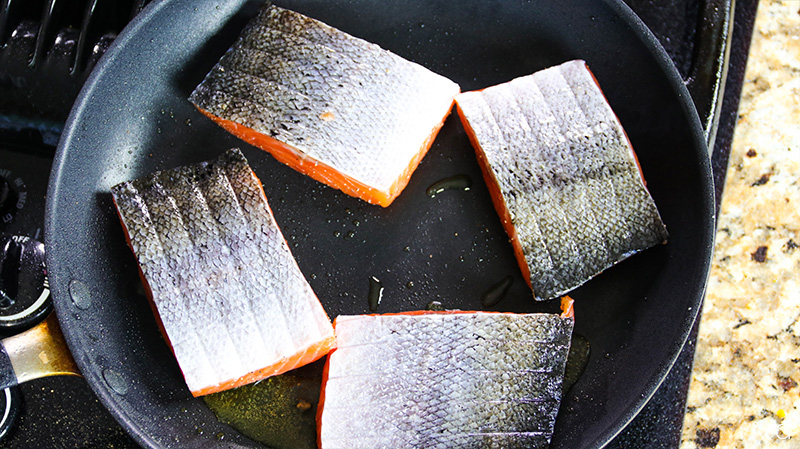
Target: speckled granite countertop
744,390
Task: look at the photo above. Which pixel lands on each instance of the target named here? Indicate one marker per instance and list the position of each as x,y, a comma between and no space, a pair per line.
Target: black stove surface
39,82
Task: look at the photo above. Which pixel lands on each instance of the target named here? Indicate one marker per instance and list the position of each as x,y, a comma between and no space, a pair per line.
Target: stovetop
48,48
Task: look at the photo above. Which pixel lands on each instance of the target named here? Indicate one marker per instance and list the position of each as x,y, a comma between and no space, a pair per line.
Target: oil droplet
356,222
407,249
462,182
278,412
497,292
337,234
351,234
435,306
577,359
375,293
410,284
188,122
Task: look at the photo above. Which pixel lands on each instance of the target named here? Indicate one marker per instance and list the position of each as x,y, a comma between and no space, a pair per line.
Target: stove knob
8,200
24,290
5,190
10,404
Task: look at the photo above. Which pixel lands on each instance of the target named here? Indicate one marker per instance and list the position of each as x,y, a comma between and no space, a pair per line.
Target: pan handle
709,71
38,352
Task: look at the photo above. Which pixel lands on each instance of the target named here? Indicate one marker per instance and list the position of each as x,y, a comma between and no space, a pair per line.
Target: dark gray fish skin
566,173
444,380
332,97
227,289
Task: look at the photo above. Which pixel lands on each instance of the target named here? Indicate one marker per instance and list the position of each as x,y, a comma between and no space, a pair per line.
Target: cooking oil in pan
463,182
375,293
577,359
496,292
279,411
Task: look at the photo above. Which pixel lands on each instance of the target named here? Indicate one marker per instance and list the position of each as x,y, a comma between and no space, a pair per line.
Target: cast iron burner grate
47,50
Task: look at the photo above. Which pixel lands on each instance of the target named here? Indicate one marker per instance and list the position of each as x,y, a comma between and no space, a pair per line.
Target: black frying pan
133,118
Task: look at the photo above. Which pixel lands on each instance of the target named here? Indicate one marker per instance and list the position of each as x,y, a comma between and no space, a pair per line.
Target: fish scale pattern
331,97
230,295
566,174
443,380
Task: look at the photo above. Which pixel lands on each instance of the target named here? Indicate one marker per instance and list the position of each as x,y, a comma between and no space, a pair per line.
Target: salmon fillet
335,107
230,297
444,380
562,174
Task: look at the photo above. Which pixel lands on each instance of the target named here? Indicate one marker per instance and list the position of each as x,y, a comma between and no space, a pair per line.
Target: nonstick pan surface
133,118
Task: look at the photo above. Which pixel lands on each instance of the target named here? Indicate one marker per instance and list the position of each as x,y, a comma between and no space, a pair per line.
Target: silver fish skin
331,97
444,380
567,175
230,295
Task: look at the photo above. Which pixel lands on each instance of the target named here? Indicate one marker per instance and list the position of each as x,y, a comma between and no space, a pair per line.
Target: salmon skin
231,299
337,108
563,176
444,380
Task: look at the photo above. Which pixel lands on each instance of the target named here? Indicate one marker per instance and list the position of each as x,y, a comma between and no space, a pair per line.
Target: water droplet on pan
80,295
115,381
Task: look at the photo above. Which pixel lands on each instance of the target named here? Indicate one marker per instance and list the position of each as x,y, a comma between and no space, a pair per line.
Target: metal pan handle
709,70
38,352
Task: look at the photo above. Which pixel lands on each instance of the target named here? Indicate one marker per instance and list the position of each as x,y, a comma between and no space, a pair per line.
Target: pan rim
709,225
72,131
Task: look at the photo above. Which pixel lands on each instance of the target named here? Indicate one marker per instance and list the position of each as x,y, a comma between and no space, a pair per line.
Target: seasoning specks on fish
232,301
562,174
444,379
335,107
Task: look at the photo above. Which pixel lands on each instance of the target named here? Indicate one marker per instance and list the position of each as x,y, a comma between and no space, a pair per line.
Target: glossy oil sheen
497,292
460,182
278,411
375,293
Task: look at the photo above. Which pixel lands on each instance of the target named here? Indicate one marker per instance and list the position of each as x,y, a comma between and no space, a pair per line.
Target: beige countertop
744,389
